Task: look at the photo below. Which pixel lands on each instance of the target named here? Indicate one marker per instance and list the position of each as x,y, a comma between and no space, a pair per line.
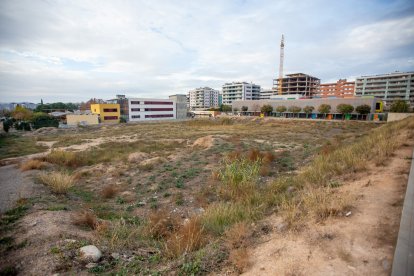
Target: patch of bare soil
361,244
39,232
207,142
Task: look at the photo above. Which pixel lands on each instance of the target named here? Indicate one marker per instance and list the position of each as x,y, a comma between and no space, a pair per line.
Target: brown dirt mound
207,141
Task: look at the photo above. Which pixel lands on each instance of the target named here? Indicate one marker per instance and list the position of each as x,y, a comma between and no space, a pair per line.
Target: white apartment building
240,91
151,109
204,97
265,94
388,87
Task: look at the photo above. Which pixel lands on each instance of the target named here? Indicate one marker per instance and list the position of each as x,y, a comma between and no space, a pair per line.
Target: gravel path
15,184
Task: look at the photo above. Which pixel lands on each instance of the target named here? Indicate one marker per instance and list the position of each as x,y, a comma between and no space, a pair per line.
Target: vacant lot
188,197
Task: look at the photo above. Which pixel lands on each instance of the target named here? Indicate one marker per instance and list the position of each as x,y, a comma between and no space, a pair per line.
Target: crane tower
282,55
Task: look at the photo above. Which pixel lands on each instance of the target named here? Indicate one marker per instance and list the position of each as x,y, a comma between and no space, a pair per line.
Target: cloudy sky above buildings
77,50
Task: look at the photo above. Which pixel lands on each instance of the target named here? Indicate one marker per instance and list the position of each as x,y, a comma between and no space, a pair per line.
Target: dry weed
188,238
85,218
240,259
238,235
59,182
161,225
109,191
32,164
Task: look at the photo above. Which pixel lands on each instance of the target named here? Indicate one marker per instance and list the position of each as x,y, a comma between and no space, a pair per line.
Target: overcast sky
75,50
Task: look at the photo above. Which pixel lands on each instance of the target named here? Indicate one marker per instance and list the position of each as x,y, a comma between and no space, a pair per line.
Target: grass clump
86,219
32,164
187,238
58,182
109,191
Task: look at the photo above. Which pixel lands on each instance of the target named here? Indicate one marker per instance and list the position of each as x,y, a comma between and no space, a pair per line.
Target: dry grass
240,259
58,182
238,235
161,225
122,235
85,218
64,158
32,164
109,191
188,238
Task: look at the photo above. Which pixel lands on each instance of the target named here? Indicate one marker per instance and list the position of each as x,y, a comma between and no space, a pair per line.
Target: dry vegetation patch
58,182
32,164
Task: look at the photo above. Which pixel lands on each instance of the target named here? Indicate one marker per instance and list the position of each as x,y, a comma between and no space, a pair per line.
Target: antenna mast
282,55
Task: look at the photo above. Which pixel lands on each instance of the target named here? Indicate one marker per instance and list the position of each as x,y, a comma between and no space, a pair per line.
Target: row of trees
24,119
397,106
323,108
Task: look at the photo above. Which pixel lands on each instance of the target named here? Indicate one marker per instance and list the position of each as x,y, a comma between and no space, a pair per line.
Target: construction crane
282,55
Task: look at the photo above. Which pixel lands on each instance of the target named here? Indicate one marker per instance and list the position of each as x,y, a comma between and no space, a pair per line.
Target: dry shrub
215,175
109,191
65,158
268,157
254,155
32,164
85,218
188,238
161,225
234,155
59,182
264,170
238,235
240,259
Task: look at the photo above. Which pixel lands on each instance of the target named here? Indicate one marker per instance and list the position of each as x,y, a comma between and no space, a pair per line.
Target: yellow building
108,113
82,119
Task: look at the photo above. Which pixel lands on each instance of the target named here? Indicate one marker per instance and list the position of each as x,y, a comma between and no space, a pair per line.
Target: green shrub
344,108
363,109
44,120
399,106
281,109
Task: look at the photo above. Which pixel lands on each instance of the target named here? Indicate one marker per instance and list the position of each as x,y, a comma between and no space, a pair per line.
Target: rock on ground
90,252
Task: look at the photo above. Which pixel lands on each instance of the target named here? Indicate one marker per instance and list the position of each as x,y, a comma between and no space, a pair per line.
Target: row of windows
153,109
159,116
110,110
110,118
152,102
136,116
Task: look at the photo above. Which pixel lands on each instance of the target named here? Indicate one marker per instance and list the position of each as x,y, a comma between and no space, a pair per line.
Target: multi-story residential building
265,94
180,105
108,113
151,109
339,89
388,87
298,83
240,91
204,97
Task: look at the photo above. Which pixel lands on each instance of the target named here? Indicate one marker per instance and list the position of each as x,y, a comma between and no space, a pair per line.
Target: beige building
82,119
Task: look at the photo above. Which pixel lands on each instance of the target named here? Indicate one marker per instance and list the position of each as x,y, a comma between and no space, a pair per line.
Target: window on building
110,117
159,116
136,116
135,109
134,102
159,109
110,110
156,102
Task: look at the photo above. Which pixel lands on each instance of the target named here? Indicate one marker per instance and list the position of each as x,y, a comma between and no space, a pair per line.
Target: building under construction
299,83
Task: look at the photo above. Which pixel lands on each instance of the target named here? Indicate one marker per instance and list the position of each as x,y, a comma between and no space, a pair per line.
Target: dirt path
361,244
15,184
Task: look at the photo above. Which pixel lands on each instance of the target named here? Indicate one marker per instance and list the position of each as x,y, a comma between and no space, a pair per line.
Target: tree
266,109
308,110
244,108
281,108
399,106
41,119
22,114
294,109
225,108
363,109
344,108
324,108
7,124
